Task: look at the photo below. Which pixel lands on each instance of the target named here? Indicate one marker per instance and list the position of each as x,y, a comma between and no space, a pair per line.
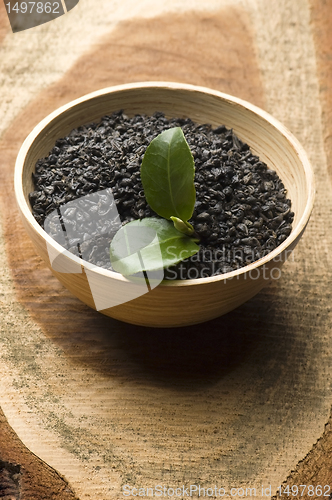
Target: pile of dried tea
241,211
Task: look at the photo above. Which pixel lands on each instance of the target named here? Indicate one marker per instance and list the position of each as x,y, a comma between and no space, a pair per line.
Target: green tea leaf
149,244
167,175
183,227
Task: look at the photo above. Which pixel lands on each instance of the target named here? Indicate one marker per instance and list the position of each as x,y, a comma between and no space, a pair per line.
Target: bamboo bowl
171,303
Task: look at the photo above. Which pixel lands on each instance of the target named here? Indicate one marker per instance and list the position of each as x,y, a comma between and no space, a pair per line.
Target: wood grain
321,19
126,55
251,398
4,22
316,466
23,476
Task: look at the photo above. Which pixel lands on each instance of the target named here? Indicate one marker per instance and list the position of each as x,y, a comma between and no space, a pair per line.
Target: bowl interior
266,137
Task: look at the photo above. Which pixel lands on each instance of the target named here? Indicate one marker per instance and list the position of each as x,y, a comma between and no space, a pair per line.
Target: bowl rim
298,148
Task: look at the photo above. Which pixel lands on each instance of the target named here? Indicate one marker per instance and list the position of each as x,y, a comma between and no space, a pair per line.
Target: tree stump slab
93,407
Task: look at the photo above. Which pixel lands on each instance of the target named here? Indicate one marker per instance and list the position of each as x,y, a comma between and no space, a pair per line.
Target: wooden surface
239,402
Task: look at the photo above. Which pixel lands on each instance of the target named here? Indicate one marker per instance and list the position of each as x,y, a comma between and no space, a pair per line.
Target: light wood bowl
172,303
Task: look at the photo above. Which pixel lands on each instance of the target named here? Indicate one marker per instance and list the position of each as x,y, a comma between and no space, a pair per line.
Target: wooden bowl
172,303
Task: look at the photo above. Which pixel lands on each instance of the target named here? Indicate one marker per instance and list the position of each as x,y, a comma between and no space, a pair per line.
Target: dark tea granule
241,211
